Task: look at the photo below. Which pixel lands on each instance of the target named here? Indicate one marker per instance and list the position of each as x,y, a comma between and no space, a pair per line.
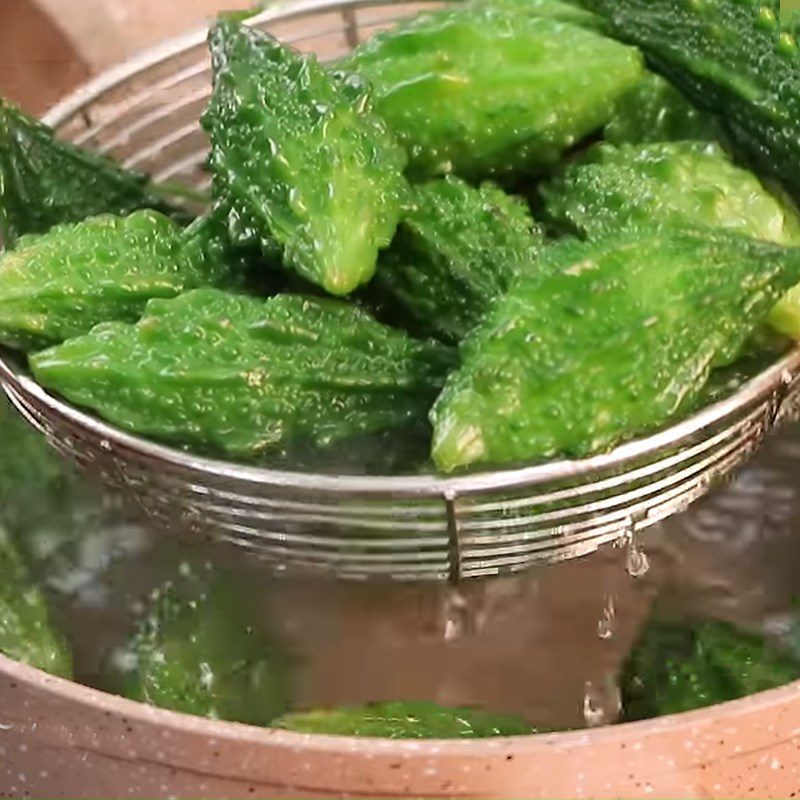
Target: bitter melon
243,376
300,159
680,665
26,633
606,339
198,651
405,720
493,90
728,57
456,251
655,111
46,182
62,283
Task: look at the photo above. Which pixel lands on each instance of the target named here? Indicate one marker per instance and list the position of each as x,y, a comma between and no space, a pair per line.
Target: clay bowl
59,739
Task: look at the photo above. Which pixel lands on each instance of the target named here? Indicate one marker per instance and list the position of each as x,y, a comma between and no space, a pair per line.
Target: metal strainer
146,113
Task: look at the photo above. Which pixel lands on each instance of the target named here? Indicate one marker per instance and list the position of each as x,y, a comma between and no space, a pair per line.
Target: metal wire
426,527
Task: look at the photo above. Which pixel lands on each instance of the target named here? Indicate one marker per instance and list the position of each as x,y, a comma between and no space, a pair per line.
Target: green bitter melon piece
605,340
405,720
26,633
493,91
60,284
730,58
300,159
645,184
655,111
243,376
691,181
680,665
46,182
454,253
199,651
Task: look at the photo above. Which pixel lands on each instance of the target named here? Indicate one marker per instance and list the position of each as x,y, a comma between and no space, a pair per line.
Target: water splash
605,625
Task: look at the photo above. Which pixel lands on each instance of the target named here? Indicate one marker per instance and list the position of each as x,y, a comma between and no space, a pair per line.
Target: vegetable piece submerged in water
682,665
199,651
26,634
491,90
694,182
608,339
243,376
454,253
403,720
46,182
61,284
300,159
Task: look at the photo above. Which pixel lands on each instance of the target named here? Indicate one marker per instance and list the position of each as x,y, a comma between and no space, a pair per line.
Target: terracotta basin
59,739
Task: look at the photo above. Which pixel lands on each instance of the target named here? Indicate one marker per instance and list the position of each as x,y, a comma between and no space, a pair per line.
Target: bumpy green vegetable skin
59,285
46,182
242,376
25,631
651,183
730,58
300,159
198,652
493,91
608,339
399,720
679,666
691,181
655,111
454,253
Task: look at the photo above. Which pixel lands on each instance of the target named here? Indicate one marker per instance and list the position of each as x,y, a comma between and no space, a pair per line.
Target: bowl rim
97,700
774,380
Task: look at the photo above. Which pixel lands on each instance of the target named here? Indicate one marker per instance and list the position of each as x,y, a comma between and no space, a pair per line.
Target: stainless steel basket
146,114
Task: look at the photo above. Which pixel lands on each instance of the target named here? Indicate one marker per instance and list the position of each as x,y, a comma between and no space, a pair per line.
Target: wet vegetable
454,253
62,283
730,58
402,720
243,376
682,665
691,181
648,184
199,652
26,634
655,111
300,159
46,182
607,339
491,90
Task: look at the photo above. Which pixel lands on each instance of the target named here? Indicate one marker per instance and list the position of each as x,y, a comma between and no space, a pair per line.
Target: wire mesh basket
146,114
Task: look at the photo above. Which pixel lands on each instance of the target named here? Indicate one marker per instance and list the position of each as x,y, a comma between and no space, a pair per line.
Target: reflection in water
547,644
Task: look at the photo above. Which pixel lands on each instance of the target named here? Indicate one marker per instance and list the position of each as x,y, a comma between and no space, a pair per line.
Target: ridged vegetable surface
608,339
46,182
243,376
691,181
300,159
455,252
646,184
62,283
199,651
655,111
26,633
491,90
679,665
405,720
728,57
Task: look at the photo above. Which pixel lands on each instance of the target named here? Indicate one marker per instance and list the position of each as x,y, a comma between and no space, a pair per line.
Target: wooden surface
105,32
38,65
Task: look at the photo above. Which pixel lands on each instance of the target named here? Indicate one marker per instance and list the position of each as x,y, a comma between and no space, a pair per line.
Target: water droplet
605,625
637,563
